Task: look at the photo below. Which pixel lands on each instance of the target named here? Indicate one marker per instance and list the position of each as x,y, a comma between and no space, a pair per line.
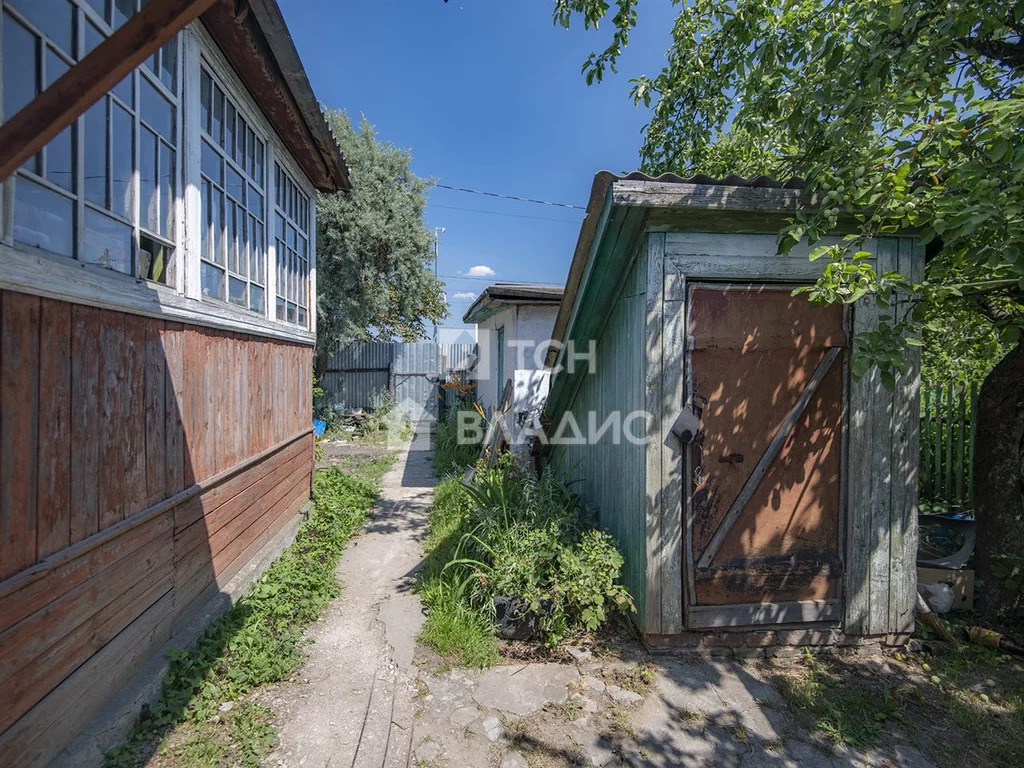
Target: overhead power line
502,213
510,197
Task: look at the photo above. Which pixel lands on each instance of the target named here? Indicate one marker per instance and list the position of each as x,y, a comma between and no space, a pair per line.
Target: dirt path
354,702
351,703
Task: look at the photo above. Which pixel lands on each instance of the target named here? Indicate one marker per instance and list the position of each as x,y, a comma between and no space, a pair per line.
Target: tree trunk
998,485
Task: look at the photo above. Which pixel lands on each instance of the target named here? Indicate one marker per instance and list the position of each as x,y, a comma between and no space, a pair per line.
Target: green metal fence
947,442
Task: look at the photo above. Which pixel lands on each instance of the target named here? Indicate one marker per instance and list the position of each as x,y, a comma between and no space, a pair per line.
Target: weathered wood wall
612,475
142,464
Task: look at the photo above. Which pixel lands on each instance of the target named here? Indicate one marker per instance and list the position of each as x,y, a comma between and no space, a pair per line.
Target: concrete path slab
351,702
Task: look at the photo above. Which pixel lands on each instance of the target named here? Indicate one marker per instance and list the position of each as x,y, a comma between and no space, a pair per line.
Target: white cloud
464,295
480,270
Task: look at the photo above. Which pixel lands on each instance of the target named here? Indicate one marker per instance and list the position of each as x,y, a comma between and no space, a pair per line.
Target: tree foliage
897,114
374,254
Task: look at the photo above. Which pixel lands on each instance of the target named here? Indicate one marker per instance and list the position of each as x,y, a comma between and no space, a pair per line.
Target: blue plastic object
319,427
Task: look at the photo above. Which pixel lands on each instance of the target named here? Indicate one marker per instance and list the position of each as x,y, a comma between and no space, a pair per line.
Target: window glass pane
123,10
280,308
42,217
166,191
211,163
255,201
58,152
212,280
124,89
157,111
216,225
231,233
301,319
93,37
21,82
169,64
100,6
234,184
96,153
204,247
258,174
236,291
229,130
217,121
59,160
291,313
122,199
205,86
54,18
237,152
107,242
250,155
154,260
255,298
148,180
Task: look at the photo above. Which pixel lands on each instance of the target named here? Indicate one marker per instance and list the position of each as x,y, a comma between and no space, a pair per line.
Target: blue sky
487,94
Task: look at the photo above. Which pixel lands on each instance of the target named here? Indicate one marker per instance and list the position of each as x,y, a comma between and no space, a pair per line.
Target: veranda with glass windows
167,178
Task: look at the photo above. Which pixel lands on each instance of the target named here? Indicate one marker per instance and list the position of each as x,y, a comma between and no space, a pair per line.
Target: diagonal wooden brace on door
770,453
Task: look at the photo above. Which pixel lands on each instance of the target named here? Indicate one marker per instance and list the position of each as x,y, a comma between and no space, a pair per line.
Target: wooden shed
759,492
157,285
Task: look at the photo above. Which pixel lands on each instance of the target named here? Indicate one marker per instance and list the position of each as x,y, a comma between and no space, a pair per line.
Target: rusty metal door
766,371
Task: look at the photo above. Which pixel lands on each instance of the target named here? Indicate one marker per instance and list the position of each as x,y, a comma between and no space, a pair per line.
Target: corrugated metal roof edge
732,180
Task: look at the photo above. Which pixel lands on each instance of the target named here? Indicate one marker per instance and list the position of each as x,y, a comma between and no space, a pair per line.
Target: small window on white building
232,163
292,212
117,206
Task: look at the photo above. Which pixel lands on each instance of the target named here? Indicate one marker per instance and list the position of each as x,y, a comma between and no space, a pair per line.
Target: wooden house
160,163
759,492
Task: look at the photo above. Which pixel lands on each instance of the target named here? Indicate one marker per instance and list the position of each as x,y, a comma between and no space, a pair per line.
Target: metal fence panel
362,356
412,372
354,389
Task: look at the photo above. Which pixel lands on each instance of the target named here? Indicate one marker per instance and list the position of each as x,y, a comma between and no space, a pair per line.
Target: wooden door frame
673,259
758,614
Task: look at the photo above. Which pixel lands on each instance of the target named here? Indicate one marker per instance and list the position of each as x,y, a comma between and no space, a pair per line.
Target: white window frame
85,14
31,270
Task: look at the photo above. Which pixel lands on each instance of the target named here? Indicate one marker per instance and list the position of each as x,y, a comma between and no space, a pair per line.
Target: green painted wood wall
612,476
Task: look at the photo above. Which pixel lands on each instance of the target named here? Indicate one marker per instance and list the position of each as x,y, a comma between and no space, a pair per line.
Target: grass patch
956,706
452,455
527,540
453,629
201,717
371,469
844,713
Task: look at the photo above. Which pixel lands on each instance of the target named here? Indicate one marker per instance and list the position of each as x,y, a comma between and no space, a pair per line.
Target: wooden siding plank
239,528
222,492
54,495
108,429
195,573
42,732
28,638
262,482
134,415
85,414
905,463
795,612
673,343
42,674
62,577
178,465
654,400
19,431
157,460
